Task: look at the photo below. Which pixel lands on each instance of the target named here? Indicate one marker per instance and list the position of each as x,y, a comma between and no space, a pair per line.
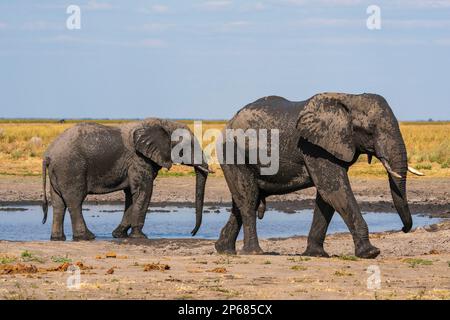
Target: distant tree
430,120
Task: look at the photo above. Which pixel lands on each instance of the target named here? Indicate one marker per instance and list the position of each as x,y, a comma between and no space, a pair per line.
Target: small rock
110,271
111,255
218,270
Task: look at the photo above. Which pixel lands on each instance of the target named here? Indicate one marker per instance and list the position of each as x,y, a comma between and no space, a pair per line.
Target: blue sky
208,58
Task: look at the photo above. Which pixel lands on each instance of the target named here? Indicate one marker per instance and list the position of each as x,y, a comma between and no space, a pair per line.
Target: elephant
319,139
91,158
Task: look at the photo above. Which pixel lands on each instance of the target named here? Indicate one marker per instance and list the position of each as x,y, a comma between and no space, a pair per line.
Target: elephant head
348,125
153,139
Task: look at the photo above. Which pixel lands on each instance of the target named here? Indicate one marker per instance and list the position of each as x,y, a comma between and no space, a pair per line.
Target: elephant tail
45,163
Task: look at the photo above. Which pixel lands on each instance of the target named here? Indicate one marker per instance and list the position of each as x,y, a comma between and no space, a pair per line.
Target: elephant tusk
414,171
389,169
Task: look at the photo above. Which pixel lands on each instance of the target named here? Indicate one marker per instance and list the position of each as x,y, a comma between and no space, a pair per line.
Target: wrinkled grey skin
96,159
320,138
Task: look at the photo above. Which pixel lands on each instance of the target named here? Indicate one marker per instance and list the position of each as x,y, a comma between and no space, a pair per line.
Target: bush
424,166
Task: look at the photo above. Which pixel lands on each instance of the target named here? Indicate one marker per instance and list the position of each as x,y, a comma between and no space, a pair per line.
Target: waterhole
177,222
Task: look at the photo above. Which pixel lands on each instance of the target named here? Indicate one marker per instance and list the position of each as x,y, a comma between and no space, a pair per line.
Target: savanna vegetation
23,142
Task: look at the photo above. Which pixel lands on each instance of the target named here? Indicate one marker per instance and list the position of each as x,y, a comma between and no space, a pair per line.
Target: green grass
342,273
417,262
348,258
424,166
27,256
6,260
299,268
299,259
165,173
61,259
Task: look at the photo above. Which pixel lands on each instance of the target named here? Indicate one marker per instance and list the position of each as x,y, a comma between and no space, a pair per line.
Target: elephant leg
323,213
251,243
141,201
59,211
351,214
332,183
245,193
122,229
79,228
226,243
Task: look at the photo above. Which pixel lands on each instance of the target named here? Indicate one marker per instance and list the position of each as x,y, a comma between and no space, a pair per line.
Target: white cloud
40,25
234,25
329,22
146,43
152,43
341,2
65,39
442,42
413,24
154,27
159,8
257,6
424,3
342,23
322,2
363,40
93,5
216,4
156,8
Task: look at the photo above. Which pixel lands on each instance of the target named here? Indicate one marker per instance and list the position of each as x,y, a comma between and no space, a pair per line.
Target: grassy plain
23,142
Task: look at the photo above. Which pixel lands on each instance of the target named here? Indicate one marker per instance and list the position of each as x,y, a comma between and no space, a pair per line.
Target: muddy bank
411,266
426,195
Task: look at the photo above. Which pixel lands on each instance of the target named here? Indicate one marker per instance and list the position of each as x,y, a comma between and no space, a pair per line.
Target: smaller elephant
92,158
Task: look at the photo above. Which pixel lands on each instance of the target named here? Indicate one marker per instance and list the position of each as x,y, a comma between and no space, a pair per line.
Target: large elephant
320,138
96,159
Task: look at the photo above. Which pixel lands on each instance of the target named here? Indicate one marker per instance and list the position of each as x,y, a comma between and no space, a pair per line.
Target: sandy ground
411,266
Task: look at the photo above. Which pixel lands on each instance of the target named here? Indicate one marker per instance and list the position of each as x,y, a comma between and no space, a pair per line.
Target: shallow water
174,222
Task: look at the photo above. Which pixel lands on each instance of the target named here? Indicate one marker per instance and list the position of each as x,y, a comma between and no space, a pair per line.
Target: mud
426,195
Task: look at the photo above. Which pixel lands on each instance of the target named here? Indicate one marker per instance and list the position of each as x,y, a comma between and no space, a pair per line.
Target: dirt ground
411,266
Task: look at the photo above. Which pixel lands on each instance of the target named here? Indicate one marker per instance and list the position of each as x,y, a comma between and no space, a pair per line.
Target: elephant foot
120,232
86,236
58,238
225,248
253,250
137,234
315,251
367,252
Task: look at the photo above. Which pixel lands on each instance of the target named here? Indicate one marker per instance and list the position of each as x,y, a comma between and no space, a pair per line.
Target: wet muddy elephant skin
320,138
91,158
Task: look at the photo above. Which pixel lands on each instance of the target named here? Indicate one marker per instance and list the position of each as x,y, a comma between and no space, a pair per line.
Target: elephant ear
153,142
326,122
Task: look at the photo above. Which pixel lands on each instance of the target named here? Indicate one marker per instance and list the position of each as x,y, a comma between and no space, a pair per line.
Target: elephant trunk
201,173
395,160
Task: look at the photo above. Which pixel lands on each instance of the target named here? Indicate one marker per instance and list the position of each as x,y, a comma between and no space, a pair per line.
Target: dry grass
22,144
428,146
